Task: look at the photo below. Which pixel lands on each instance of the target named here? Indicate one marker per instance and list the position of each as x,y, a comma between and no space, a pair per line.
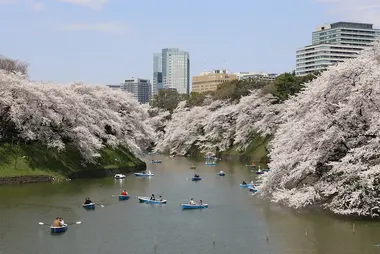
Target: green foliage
167,99
235,89
195,99
37,159
288,84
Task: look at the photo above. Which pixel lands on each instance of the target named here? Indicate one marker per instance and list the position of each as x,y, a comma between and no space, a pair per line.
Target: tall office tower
141,89
334,43
175,66
157,73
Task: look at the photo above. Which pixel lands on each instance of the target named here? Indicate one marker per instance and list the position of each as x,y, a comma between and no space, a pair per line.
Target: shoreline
47,178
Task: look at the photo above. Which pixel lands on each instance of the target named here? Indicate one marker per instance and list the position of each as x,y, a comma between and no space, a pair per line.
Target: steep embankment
36,160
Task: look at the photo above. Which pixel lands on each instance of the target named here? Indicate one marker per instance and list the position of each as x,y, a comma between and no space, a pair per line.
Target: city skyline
103,42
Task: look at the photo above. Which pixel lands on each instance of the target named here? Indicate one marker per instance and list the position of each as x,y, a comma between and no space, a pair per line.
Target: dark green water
238,221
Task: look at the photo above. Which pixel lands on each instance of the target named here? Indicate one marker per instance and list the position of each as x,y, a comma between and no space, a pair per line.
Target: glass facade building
334,43
175,66
157,73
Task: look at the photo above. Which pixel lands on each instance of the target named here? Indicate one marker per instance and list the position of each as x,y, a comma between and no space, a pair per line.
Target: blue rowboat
144,174
210,163
196,178
156,161
245,185
188,206
89,206
148,201
124,197
59,229
260,172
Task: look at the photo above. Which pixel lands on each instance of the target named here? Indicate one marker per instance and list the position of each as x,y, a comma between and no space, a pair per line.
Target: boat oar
70,223
99,204
74,223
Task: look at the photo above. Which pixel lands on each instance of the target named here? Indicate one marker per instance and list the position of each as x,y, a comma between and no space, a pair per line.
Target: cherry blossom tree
89,117
326,149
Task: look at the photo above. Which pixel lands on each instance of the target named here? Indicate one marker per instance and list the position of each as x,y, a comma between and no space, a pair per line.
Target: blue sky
107,41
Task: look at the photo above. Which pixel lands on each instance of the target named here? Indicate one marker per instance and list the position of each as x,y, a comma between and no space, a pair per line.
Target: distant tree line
284,86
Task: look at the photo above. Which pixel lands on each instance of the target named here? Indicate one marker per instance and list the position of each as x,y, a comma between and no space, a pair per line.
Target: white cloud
354,10
93,4
36,5
104,27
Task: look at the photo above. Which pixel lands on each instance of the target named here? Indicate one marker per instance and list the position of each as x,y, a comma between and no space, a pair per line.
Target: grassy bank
257,150
37,159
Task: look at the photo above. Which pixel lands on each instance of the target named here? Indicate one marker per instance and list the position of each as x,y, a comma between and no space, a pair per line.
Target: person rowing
87,201
196,176
56,222
152,197
124,193
244,183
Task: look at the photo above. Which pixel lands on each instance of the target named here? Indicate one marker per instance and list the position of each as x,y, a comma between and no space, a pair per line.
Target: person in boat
61,221
56,222
200,202
124,193
244,183
152,197
160,198
192,202
87,201
196,175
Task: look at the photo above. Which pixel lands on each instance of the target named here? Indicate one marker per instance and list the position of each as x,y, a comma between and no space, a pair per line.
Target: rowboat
124,197
188,206
246,185
196,178
156,161
148,201
253,189
119,176
144,174
207,163
61,229
221,173
89,206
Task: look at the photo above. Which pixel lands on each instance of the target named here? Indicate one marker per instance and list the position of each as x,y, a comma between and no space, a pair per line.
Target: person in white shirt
192,202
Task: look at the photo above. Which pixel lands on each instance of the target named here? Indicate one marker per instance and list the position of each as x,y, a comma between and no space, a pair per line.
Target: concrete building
174,70
209,81
334,43
141,89
256,75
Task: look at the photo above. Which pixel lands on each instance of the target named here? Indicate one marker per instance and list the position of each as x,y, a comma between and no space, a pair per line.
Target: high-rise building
141,89
175,70
157,73
209,81
334,43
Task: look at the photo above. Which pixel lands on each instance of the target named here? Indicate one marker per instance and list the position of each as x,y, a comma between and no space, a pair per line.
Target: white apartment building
256,75
334,43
